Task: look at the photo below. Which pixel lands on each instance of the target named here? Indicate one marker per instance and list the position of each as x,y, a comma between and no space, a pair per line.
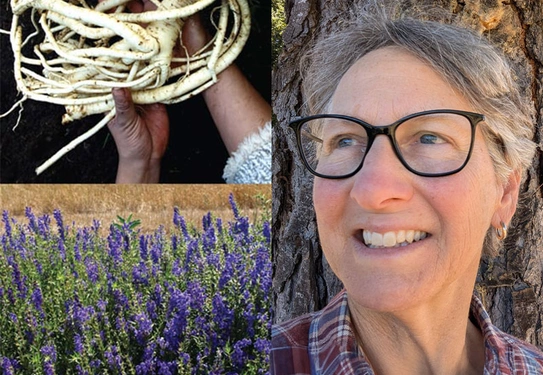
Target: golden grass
152,204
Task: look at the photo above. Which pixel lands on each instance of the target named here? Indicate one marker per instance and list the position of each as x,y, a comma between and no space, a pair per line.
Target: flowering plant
78,301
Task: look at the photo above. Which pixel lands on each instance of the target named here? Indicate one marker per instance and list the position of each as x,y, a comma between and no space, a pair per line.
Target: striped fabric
323,343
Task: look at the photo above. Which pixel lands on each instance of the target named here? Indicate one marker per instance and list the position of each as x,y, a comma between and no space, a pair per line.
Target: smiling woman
418,138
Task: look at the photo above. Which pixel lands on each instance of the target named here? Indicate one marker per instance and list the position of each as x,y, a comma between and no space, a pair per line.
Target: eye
345,142
430,139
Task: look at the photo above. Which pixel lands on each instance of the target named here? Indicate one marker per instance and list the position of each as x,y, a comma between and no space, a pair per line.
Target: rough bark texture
510,285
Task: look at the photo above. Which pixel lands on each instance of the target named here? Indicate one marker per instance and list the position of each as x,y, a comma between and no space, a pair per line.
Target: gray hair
467,61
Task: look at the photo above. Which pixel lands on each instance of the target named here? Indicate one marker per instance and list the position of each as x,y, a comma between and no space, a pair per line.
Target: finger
124,107
135,6
194,34
148,5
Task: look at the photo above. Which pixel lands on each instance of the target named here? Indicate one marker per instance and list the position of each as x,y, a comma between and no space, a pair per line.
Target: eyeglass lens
429,144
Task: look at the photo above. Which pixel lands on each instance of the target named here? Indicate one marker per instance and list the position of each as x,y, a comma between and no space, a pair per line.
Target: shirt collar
333,349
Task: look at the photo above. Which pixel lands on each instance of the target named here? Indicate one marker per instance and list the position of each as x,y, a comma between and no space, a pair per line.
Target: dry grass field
152,204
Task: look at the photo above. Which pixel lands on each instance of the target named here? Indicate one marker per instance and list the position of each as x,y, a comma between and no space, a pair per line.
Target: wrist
131,171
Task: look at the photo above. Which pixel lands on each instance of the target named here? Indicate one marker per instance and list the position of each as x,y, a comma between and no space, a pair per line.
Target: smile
375,240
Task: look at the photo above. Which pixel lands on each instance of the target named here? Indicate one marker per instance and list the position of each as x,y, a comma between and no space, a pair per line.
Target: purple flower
234,206
38,265
95,363
263,346
49,352
179,221
78,343
143,328
8,366
222,315
151,309
266,231
146,367
77,252
113,358
95,225
140,274
31,219
192,253
177,270
13,317
43,225
248,315
177,318
228,270
174,242
156,252
92,269
144,243
58,217
197,295
209,239
17,279
37,298
167,368
7,224
238,355
157,295
121,301
48,368
61,249
115,242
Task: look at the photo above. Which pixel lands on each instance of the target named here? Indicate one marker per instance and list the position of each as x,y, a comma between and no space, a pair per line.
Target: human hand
141,135
193,35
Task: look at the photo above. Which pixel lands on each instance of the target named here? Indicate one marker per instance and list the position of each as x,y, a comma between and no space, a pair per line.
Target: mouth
375,240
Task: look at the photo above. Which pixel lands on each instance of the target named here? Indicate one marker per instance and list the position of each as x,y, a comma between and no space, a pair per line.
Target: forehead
390,83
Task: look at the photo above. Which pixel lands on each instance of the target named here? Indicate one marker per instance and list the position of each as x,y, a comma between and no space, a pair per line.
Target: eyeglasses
430,144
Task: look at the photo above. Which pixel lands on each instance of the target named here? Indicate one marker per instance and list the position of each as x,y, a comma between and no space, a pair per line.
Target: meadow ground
152,204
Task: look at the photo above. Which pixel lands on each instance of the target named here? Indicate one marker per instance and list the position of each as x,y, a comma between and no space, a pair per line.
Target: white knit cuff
251,162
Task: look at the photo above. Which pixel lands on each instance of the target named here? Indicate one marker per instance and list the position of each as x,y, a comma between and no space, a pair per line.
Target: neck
435,338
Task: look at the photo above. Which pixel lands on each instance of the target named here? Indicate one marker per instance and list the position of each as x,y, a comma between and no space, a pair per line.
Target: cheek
329,202
465,204
323,196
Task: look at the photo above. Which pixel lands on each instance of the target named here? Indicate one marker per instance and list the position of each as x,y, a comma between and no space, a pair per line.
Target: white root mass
80,52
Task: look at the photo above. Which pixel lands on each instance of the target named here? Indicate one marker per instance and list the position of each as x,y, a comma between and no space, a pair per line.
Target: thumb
124,106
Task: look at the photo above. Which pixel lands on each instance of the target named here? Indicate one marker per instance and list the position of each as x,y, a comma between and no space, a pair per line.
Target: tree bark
510,285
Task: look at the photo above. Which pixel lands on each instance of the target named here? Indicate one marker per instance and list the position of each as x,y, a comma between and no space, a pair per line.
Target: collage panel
388,253
60,73
135,279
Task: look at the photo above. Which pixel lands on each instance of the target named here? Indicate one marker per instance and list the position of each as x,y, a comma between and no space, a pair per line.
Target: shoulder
510,353
505,354
294,332
291,340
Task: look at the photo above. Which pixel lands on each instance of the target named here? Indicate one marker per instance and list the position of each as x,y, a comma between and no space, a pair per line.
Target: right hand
141,135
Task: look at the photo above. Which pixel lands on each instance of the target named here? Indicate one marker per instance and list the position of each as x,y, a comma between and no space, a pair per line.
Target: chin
386,296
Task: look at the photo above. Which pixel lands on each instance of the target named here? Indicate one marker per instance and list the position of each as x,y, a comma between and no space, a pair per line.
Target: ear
508,202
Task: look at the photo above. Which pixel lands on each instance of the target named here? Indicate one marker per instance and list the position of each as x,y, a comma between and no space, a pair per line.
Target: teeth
392,239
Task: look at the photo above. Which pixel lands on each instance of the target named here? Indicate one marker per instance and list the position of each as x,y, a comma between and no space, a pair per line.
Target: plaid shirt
323,343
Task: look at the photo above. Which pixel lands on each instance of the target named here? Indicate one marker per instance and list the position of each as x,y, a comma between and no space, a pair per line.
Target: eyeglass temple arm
309,135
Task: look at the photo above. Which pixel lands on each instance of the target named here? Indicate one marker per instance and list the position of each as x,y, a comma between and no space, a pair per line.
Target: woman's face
453,212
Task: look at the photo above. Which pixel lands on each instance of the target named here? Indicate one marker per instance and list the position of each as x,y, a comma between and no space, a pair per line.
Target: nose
383,183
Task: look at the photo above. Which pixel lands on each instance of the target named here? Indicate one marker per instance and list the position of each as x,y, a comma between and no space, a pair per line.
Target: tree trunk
512,284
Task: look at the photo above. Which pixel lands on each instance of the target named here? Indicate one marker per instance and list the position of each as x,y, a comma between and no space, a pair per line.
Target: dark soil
195,152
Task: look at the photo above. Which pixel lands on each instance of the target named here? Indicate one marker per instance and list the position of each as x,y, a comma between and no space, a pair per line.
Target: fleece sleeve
251,162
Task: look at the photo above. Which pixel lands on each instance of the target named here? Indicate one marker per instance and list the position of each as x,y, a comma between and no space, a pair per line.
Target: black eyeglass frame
390,132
